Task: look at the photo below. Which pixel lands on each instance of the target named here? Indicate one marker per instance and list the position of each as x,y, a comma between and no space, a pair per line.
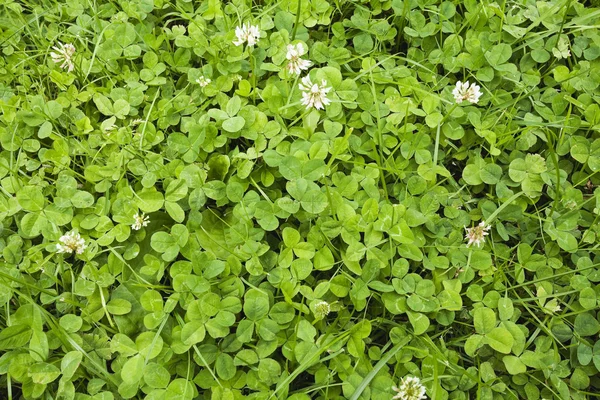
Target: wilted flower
410,389
465,91
294,54
314,95
71,242
247,33
63,55
140,220
203,82
477,233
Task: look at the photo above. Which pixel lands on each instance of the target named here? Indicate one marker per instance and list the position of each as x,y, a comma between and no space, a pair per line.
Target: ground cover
299,199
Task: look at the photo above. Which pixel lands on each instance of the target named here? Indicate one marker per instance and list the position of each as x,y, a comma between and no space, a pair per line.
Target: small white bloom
64,53
477,234
203,82
236,77
71,242
294,54
465,91
314,95
141,220
410,389
322,309
247,33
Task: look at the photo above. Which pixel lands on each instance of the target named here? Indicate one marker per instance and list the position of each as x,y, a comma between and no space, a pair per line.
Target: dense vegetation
366,199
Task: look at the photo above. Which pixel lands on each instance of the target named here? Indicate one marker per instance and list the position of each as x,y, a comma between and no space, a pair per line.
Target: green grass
265,213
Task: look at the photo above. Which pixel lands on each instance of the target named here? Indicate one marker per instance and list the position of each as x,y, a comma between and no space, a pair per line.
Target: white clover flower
203,82
64,53
322,309
294,54
247,33
71,242
410,389
465,91
477,233
141,220
314,95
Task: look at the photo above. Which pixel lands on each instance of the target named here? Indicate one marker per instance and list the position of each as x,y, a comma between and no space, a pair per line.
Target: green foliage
176,223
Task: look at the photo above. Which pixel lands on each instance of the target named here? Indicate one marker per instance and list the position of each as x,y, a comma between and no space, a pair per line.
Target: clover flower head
322,309
477,234
63,54
410,389
247,33
466,91
313,94
71,242
294,54
203,81
140,220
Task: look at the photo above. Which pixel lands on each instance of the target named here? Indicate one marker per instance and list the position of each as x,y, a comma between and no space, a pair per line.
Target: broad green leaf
500,340
133,369
514,365
234,124
14,336
586,324
31,198
43,373
70,363
193,332
256,304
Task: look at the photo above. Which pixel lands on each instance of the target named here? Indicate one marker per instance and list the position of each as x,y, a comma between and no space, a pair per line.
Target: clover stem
437,134
253,68
297,20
